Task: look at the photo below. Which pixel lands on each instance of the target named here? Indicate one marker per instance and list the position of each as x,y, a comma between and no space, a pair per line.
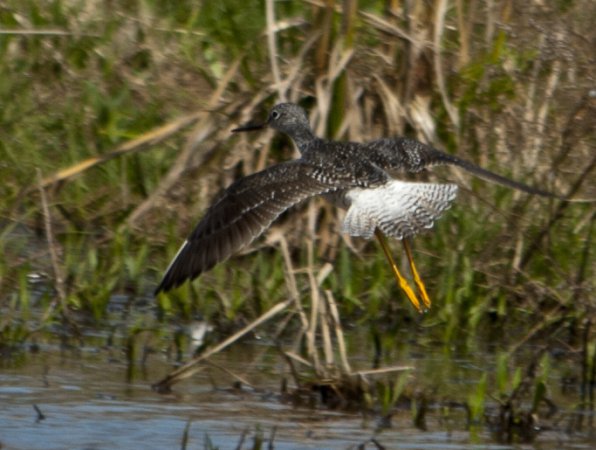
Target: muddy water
87,403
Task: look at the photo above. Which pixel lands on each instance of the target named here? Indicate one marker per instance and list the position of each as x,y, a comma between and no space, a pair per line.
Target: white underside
399,209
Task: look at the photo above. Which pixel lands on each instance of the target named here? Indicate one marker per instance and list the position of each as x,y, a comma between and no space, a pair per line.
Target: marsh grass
148,92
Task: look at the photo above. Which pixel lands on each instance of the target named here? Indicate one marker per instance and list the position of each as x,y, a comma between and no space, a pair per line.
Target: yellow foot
419,283
401,281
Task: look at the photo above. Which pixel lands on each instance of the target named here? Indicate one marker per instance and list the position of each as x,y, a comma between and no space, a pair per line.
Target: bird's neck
303,138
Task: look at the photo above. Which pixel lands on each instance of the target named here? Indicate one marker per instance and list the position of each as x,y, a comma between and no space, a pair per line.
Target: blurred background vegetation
137,99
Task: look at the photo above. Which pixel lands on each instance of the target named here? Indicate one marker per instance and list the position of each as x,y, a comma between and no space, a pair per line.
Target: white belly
399,209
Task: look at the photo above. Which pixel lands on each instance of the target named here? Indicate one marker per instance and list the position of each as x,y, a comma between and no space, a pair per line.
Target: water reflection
85,401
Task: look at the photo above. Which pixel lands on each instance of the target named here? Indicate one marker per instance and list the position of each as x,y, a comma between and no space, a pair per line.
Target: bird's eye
275,115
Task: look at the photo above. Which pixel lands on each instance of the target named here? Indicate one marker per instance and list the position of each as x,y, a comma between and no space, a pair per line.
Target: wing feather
244,211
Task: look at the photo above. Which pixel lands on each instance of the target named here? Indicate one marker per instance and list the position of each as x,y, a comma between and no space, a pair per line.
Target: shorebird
352,175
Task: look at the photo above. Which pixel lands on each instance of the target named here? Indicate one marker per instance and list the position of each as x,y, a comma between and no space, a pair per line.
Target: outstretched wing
413,156
244,211
399,209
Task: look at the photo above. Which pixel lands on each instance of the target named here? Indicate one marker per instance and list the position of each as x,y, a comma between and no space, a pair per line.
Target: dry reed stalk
391,29
352,124
323,21
376,22
548,318
188,369
272,47
325,83
421,117
140,143
289,358
338,61
291,284
295,71
298,358
536,146
382,371
559,213
348,19
326,336
204,128
463,26
323,106
489,23
55,252
318,315
339,334
239,378
314,314
584,267
248,147
439,27
588,377
394,112
529,93
327,320
324,318
46,32
279,329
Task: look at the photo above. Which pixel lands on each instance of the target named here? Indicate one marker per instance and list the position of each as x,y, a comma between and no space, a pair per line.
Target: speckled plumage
352,175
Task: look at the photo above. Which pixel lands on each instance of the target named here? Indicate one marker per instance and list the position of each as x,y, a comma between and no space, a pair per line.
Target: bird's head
285,117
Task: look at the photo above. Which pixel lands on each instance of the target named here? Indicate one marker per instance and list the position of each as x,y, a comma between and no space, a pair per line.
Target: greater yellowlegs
352,175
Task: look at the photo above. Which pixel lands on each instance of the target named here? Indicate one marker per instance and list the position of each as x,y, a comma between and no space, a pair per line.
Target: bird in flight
355,176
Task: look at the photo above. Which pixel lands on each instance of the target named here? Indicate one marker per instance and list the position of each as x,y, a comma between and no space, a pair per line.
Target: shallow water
89,404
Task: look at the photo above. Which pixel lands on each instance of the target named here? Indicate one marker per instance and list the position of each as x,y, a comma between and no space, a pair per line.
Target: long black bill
249,127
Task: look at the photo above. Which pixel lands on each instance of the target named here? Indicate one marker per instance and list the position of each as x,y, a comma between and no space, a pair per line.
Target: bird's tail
493,177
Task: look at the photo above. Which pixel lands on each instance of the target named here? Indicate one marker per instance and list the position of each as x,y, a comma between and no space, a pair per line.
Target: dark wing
244,211
413,156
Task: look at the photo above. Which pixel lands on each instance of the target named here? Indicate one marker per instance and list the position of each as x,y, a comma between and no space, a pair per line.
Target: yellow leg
401,281
417,279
